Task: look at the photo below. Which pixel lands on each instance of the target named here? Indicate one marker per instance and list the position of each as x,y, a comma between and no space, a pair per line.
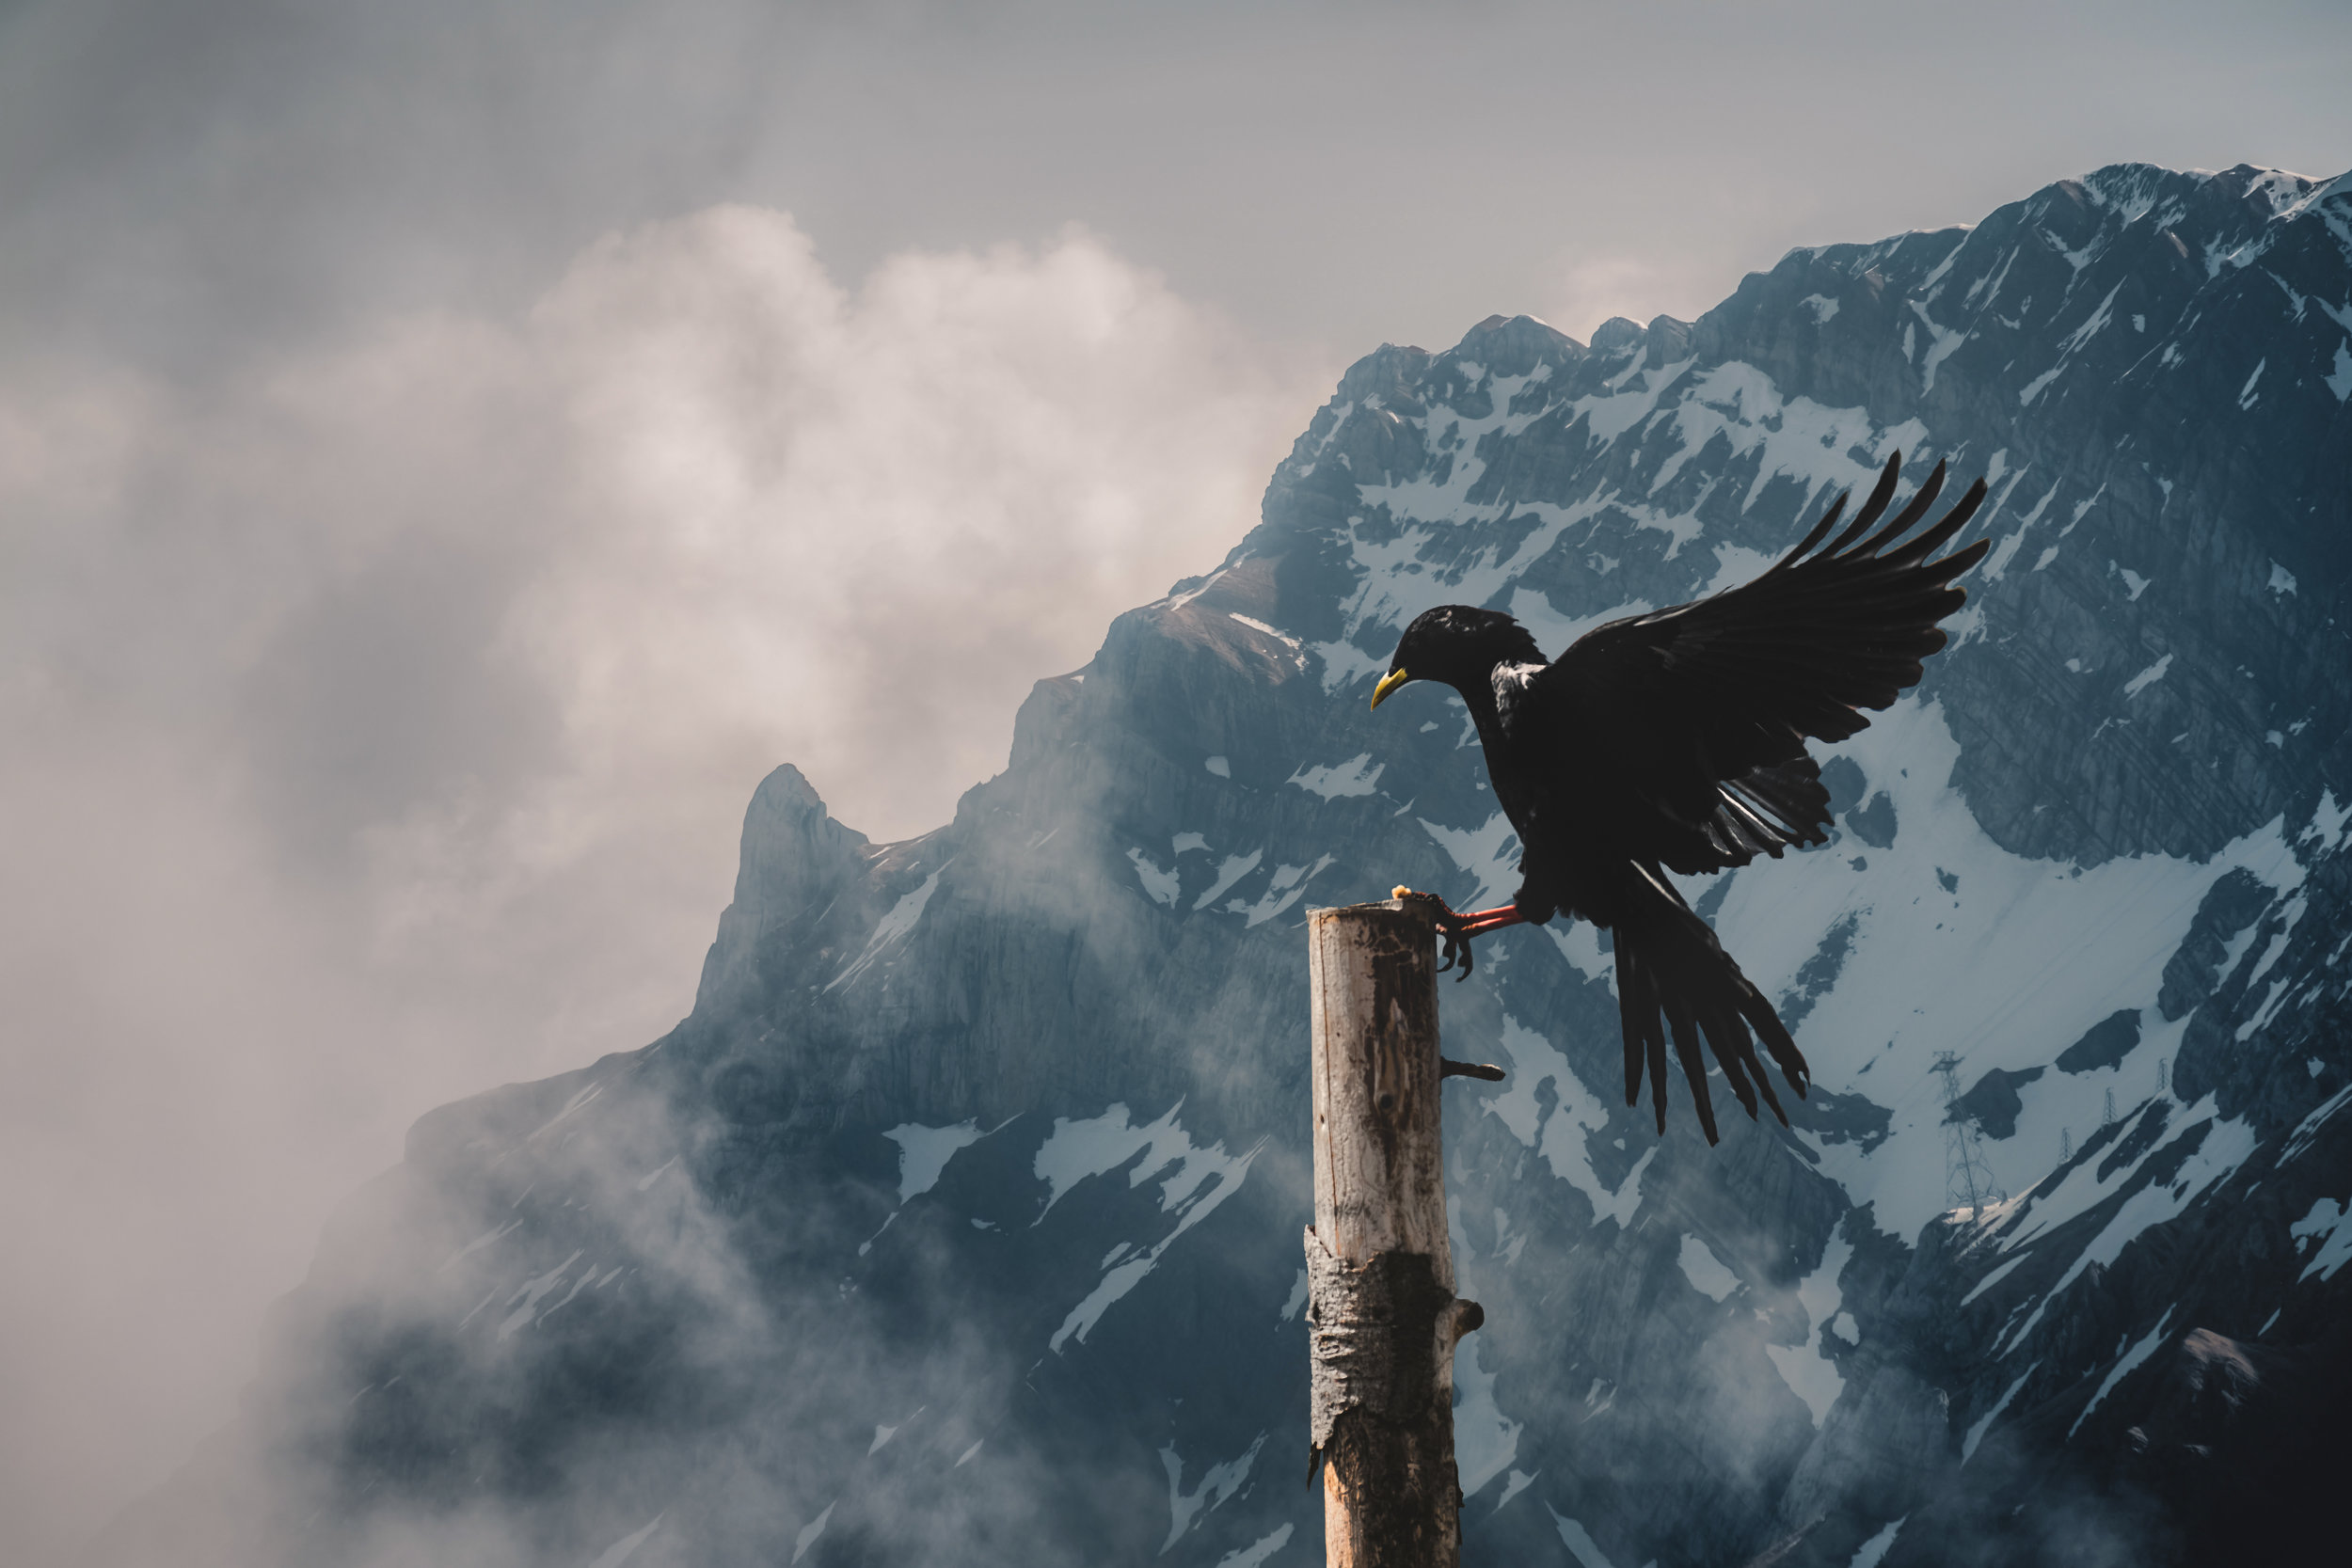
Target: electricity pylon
1967,1179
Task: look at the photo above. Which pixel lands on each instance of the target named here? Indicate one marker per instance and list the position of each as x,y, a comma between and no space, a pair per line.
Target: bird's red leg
1457,928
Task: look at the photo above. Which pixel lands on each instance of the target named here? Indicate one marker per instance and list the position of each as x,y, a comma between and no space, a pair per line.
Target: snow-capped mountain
959,1220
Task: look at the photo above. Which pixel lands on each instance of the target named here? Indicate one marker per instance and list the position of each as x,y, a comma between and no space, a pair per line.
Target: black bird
1675,741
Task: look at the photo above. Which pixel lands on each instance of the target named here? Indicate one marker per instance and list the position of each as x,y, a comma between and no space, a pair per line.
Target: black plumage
1676,741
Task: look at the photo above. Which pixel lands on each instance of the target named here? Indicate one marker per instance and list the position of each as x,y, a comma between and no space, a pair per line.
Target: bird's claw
1457,946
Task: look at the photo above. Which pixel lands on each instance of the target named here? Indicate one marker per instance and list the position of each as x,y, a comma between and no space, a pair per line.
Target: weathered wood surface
1382,1318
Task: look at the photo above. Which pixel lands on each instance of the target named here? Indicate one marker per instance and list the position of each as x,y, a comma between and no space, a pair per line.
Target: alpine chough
1675,741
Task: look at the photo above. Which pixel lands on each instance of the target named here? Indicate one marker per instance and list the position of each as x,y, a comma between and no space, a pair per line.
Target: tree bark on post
1382,1317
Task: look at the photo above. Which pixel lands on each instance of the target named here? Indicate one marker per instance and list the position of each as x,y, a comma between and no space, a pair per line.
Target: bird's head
1459,644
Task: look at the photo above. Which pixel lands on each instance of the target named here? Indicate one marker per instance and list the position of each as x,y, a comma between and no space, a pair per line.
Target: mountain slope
959,1219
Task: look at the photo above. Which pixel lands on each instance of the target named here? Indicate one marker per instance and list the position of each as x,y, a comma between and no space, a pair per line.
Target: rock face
959,1221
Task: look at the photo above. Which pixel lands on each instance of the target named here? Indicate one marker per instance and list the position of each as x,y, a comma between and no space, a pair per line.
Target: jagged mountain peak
1516,345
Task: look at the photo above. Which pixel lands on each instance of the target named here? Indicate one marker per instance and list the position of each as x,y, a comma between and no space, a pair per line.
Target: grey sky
438,480
181,175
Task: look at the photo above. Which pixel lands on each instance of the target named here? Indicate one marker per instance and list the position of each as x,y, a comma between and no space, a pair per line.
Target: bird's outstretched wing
1700,713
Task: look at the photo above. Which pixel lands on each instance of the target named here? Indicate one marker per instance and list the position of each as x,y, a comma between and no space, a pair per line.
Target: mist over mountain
958,1221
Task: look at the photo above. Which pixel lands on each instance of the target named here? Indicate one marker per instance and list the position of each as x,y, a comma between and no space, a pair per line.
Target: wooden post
1382,1318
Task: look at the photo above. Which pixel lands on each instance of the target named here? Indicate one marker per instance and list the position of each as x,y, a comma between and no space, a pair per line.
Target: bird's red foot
1457,928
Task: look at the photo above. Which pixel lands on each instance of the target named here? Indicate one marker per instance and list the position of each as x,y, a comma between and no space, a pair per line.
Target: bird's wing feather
1724,691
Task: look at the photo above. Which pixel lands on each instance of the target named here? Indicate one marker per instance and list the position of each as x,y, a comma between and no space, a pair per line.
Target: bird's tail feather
1674,977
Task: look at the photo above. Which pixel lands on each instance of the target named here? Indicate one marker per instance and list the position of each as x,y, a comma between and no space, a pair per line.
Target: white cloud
857,526
382,719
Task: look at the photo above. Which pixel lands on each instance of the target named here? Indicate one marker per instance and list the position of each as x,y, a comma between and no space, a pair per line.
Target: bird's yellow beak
1388,683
